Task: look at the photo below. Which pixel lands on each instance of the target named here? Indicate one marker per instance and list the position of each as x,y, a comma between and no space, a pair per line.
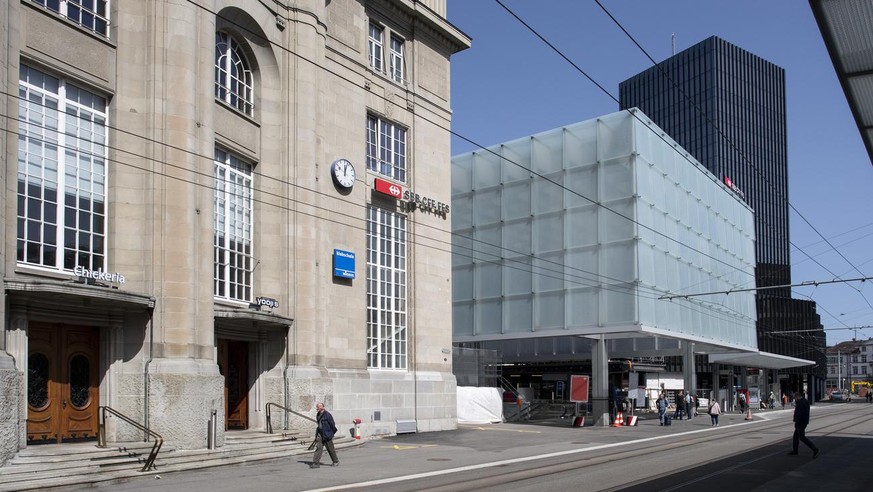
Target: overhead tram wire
245,29
751,289
476,144
436,124
731,143
594,278
498,260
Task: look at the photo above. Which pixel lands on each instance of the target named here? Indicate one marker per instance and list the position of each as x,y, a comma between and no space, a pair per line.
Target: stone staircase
50,466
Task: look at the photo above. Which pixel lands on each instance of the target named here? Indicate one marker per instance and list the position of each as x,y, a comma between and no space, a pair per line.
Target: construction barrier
631,420
619,419
578,421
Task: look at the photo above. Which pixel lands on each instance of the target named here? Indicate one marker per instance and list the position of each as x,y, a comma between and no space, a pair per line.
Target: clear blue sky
510,84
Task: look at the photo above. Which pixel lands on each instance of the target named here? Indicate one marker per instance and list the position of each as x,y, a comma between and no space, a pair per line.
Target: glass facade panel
606,265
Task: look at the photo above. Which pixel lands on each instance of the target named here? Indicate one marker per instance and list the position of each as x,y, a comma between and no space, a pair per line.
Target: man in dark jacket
801,420
324,433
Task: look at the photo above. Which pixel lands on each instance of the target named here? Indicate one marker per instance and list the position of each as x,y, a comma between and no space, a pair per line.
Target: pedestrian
680,405
771,401
324,432
801,420
662,407
742,398
714,411
869,395
689,406
784,399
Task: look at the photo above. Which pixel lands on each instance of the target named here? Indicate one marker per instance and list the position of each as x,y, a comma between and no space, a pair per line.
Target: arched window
233,74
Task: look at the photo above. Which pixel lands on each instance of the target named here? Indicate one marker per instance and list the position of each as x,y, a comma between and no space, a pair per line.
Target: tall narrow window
386,289
61,174
386,148
233,228
396,59
374,47
233,75
90,14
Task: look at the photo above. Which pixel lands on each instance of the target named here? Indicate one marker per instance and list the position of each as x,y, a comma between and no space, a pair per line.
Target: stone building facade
226,238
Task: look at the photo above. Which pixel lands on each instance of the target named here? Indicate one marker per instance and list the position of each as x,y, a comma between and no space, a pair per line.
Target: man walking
662,407
801,420
324,433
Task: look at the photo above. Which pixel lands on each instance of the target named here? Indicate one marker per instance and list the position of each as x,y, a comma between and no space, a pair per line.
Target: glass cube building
583,230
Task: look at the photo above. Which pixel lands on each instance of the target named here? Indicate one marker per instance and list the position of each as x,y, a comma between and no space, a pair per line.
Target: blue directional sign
343,264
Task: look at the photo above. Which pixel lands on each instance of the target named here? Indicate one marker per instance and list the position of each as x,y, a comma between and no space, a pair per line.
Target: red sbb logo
389,188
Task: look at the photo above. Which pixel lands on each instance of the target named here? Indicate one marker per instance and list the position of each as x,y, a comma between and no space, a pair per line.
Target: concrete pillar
689,368
599,382
716,380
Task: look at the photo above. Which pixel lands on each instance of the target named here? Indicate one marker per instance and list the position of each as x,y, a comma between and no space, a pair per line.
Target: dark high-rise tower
726,106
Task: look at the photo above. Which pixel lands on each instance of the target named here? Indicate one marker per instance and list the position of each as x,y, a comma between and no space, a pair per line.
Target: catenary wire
739,152
499,260
474,143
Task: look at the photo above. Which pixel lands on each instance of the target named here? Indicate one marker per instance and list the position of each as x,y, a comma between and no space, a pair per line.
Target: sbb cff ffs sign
389,188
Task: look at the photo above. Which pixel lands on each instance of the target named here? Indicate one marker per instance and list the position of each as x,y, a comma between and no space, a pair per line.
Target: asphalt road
739,455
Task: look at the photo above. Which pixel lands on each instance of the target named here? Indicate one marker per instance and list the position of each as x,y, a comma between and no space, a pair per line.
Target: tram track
518,471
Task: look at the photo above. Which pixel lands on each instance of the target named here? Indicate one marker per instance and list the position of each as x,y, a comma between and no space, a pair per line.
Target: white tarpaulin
479,405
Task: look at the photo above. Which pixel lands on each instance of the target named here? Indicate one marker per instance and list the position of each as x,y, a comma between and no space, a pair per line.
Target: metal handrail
270,421
101,434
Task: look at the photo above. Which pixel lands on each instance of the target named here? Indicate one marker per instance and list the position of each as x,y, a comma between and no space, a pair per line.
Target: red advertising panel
579,389
389,188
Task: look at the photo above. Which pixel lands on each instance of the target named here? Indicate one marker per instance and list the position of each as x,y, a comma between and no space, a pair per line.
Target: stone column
11,379
599,382
165,91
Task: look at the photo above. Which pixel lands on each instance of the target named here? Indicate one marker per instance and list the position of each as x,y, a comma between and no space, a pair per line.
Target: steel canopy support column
599,382
689,368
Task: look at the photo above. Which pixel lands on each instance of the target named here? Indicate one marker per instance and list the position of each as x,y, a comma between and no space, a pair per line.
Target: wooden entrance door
62,383
233,362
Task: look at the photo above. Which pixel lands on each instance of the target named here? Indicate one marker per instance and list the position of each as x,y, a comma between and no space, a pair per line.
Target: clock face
343,173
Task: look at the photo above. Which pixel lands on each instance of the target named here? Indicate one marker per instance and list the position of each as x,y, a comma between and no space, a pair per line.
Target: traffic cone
619,419
749,413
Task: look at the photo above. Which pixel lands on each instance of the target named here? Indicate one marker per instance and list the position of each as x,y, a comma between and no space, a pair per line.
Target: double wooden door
233,363
62,382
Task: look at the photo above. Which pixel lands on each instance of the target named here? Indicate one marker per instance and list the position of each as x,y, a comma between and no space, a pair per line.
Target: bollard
357,429
210,433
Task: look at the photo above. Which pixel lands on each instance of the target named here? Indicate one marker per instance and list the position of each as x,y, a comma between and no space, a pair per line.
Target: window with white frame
386,289
234,82
397,58
233,228
386,148
374,47
62,149
90,14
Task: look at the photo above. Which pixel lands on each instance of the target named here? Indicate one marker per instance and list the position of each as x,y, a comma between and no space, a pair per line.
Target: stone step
89,464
